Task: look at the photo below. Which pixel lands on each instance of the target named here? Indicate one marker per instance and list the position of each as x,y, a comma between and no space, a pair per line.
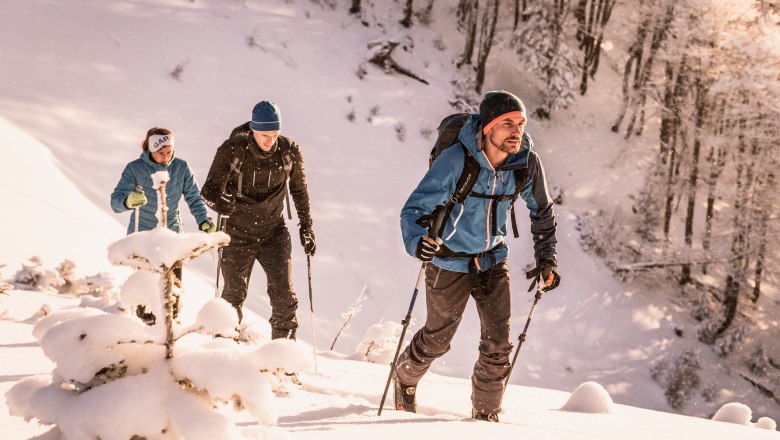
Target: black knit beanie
497,104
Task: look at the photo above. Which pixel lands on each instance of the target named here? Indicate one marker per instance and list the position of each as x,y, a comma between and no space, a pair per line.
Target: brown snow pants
447,293
272,251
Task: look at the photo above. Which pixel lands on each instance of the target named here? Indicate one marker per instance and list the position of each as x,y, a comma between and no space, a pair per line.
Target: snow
82,82
590,397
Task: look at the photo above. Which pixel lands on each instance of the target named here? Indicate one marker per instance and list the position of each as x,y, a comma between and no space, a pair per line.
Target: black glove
549,273
307,240
225,205
426,249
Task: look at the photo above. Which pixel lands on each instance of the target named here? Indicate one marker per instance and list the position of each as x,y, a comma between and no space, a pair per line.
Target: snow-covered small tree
353,310
34,276
3,285
117,378
542,46
680,379
379,342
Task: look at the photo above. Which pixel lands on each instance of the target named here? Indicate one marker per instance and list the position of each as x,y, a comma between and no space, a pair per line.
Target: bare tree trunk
760,257
734,276
633,64
670,125
717,162
407,20
659,35
355,8
731,302
592,17
467,21
693,182
487,34
635,93
169,301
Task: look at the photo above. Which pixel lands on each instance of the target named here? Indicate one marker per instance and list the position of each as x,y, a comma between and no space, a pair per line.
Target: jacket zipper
490,204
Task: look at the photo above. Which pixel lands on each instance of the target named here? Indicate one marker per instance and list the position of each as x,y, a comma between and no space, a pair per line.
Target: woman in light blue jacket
135,188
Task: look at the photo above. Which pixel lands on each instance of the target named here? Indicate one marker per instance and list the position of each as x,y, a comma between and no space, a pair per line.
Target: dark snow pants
447,293
272,251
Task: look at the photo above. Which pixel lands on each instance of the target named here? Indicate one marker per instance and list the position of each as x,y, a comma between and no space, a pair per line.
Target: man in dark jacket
470,258
247,183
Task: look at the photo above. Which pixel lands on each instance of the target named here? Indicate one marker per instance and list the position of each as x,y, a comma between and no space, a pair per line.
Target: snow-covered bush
759,361
67,271
33,276
100,285
117,378
609,236
732,340
380,342
549,56
680,379
347,316
3,285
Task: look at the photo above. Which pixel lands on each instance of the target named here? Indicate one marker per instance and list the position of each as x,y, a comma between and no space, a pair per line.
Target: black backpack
448,132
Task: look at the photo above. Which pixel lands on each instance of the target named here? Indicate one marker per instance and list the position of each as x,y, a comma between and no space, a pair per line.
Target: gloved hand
307,240
549,272
136,198
426,249
208,226
225,205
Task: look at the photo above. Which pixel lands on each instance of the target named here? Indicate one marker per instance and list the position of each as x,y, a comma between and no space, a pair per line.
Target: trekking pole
221,222
311,305
521,338
138,188
432,233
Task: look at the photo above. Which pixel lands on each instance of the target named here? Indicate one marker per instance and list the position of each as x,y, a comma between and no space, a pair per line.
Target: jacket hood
469,134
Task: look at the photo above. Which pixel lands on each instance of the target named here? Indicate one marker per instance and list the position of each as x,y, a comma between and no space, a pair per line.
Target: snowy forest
699,77
705,216
657,121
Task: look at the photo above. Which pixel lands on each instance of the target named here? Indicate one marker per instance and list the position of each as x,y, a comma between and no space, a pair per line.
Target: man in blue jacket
470,257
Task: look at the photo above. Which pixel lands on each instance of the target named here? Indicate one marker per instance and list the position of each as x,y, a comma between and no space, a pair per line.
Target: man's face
266,139
163,155
507,135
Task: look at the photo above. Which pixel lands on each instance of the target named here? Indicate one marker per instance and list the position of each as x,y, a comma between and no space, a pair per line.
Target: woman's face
163,155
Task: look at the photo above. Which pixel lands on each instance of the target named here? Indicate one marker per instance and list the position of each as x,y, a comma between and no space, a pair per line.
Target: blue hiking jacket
469,228
181,183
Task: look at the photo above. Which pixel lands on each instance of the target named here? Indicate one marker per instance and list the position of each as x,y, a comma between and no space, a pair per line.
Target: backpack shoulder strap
468,177
466,181
287,155
521,176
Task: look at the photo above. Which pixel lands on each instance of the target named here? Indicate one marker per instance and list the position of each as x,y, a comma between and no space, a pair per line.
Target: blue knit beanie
266,117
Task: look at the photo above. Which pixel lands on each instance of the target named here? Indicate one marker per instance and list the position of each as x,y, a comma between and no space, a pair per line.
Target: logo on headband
158,141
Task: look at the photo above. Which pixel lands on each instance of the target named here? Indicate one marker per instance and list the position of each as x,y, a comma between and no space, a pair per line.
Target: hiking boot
283,333
491,417
405,396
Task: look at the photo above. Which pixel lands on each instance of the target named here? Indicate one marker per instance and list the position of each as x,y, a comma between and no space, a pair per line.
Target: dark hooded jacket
257,181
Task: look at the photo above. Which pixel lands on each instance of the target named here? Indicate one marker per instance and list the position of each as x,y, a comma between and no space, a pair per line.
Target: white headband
158,141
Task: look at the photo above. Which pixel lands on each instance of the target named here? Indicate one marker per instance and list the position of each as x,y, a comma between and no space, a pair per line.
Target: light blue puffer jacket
181,183
469,227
